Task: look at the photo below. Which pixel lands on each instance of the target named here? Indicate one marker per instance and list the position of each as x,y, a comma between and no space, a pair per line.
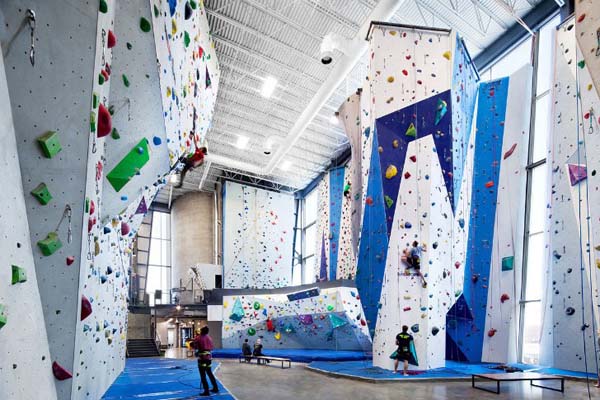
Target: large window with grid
159,260
305,264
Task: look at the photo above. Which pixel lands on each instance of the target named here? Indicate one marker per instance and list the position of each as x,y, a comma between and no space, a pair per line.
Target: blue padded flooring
161,378
453,370
300,355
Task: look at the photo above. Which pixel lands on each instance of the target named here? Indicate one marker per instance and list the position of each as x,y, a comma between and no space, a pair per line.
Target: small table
518,376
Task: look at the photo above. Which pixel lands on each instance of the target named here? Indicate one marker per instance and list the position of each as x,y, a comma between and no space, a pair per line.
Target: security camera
327,57
330,43
269,144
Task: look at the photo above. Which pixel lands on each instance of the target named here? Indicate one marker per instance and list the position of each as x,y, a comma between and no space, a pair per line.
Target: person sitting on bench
258,350
246,350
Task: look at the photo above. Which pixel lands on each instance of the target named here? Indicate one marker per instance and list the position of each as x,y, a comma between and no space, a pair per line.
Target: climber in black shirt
403,353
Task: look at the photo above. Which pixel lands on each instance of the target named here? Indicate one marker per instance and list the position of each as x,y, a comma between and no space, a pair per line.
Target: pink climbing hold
510,151
111,40
504,297
104,121
86,308
577,173
492,332
60,372
70,260
125,228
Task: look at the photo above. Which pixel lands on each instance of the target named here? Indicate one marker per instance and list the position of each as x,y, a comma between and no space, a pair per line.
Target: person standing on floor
403,341
204,345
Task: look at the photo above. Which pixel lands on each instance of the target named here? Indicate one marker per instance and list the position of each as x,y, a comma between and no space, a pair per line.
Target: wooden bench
518,376
265,359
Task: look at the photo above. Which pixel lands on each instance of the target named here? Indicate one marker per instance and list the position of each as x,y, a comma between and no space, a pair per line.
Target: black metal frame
498,380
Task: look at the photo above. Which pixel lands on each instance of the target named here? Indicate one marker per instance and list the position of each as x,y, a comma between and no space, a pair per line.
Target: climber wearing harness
413,259
403,341
203,344
194,160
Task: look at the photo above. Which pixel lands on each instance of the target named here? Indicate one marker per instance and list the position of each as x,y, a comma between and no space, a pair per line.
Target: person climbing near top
403,341
193,160
347,190
246,350
414,259
203,344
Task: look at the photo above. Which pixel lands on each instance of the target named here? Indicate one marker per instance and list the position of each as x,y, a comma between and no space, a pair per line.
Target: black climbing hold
188,10
570,311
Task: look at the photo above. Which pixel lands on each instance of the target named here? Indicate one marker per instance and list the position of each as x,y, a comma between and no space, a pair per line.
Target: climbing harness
31,22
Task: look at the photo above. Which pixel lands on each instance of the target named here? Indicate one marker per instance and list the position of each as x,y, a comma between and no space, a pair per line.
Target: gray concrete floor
251,382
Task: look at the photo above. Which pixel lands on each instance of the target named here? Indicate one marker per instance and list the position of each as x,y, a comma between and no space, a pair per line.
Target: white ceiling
259,38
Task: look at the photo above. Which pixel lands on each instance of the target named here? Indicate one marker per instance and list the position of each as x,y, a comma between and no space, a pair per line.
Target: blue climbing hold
156,140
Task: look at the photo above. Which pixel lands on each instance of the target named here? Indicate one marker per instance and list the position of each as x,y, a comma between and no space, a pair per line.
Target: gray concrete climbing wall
23,343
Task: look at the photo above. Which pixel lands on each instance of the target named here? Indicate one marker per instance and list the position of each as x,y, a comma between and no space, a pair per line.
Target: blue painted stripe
336,198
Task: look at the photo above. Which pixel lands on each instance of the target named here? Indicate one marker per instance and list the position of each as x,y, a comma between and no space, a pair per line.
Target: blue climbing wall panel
373,244
467,331
336,198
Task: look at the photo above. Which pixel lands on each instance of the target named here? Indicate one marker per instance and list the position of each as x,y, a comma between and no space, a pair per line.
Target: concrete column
192,234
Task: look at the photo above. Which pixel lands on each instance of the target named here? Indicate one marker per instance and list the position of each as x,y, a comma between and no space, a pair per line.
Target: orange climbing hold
489,184
104,121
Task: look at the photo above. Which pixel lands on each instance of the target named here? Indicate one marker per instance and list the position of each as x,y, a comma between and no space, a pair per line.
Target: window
303,270
159,260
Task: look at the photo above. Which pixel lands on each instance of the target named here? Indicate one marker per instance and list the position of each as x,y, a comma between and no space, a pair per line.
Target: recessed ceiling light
333,120
242,142
268,87
285,166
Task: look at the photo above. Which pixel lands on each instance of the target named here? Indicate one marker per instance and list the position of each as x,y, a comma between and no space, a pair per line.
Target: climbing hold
103,7
125,80
330,307
442,108
504,298
581,18
435,330
510,151
461,222
251,331
406,175
49,245
413,158
42,194
395,143
407,225
145,25
390,79
411,130
489,184
124,197
369,201
111,39
447,55
388,201
86,308
434,245
391,171
193,4
277,336
186,39
570,311
507,263
238,311
415,328
156,140
60,373
3,317
492,332
129,46
127,168
337,321
270,326
577,173
188,11
18,275
125,229
104,121
256,305
457,264
70,260
49,143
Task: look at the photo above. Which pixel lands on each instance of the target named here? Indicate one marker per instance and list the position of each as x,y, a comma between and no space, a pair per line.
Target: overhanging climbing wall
573,236
258,225
23,341
331,320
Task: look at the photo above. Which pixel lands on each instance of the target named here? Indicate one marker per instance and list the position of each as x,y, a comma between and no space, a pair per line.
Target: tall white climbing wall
587,19
258,225
23,341
322,235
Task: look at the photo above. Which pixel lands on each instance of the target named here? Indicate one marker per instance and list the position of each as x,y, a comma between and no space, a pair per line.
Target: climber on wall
203,344
191,161
404,340
412,257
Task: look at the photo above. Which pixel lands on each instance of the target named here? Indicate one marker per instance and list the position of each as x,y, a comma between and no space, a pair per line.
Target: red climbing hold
413,158
405,72
406,175
504,297
369,201
489,184
90,224
510,151
60,372
105,74
492,332
270,326
104,121
457,264
406,309
111,40
125,228
86,308
70,260
92,207
581,18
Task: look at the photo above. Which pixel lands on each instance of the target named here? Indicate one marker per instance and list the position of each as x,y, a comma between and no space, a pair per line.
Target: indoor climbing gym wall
23,355
315,319
258,225
322,253
587,17
189,71
574,238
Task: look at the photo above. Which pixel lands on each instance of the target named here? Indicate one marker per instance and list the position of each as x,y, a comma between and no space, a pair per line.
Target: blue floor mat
161,379
301,355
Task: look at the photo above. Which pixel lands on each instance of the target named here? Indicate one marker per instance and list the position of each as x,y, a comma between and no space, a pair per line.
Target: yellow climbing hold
277,335
390,79
173,27
393,33
447,55
395,143
380,149
598,263
391,171
225,304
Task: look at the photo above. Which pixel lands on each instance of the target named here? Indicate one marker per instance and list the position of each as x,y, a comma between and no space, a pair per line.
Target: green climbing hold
186,39
115,134
156,12
101,79
18,275
103,6
256,305
130,165
95,100
330,308
42,193
251,331
193,4
3,318
92,122
125,80
411,131
87,205
49,245
145,25
581,64
49,143
507,263
388,201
